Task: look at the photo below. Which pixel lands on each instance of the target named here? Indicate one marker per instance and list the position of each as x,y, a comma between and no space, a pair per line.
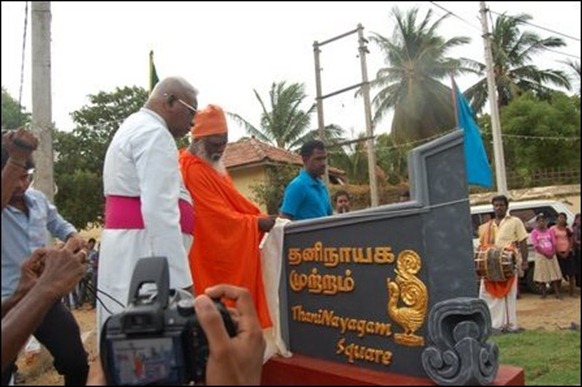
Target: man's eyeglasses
29,175
193,110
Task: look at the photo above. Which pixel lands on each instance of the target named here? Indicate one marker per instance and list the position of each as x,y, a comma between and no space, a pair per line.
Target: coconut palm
285,124
574,67
513,51
392,158
416,59
351,157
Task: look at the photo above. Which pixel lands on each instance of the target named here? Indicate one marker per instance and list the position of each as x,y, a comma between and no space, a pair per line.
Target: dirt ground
533,313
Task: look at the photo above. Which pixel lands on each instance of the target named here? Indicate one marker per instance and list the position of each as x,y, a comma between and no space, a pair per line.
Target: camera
157,338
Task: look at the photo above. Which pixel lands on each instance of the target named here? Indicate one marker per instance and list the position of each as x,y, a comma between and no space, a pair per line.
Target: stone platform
303,370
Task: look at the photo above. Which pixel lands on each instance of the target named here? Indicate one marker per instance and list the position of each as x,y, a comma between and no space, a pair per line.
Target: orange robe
226,233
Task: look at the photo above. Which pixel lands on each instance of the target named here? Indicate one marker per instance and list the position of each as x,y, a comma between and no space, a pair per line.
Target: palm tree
410,84
513,52
285,124
392,158
351,157
574,67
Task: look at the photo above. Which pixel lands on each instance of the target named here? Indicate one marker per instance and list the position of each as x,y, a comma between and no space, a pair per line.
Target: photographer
29,219
234,360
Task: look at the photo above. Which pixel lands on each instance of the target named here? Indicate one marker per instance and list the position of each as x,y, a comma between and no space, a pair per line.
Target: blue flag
476,163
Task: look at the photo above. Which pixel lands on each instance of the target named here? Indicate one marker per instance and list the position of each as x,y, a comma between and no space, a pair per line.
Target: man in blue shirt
306,196
27,220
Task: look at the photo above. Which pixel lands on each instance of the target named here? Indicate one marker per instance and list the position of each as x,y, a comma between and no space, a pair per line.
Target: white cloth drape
271,263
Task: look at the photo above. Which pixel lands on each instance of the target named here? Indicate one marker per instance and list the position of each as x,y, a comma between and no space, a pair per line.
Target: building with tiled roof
247,159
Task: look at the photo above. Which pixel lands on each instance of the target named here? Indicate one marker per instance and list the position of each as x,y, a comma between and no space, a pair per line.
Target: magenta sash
124,212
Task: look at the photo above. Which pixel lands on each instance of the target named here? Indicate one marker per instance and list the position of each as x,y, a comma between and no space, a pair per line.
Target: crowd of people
183,205
149,212
557,258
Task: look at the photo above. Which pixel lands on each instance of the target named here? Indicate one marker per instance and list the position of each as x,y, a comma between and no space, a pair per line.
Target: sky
228,49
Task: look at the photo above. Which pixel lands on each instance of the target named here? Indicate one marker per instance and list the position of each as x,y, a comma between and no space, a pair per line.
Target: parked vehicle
526,211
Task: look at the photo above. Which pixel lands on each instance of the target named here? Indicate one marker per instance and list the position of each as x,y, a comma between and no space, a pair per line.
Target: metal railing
543,177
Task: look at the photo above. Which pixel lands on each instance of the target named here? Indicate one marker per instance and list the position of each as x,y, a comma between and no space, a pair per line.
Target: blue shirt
93,259
22,234
306,197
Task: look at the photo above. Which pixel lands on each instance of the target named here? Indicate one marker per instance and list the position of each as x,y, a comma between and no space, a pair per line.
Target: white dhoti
503,310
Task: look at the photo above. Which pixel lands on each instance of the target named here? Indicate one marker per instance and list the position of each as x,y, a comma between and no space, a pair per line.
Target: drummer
506,232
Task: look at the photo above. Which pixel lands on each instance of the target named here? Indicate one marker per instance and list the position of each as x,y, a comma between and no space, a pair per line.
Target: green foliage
81,153
555,123
351,158
392,158
484,123
270,193
548,358
13,115
538,135
98,122
80,198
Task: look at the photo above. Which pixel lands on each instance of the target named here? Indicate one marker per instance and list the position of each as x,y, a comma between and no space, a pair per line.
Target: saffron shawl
226,233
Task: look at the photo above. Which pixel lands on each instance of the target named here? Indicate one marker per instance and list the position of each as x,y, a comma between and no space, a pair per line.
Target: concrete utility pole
41,96
319,100
500,177
368,112
366,93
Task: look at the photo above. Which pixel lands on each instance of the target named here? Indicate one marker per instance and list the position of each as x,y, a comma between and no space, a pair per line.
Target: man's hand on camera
234,360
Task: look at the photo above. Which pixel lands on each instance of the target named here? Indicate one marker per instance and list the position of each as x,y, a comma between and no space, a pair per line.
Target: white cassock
141,165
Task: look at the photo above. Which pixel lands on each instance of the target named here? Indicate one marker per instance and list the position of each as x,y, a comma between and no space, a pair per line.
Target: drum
495,263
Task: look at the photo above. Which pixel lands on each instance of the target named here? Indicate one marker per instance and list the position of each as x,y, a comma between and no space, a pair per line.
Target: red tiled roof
252,152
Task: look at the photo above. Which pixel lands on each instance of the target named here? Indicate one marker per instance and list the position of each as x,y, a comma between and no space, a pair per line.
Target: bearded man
227,227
